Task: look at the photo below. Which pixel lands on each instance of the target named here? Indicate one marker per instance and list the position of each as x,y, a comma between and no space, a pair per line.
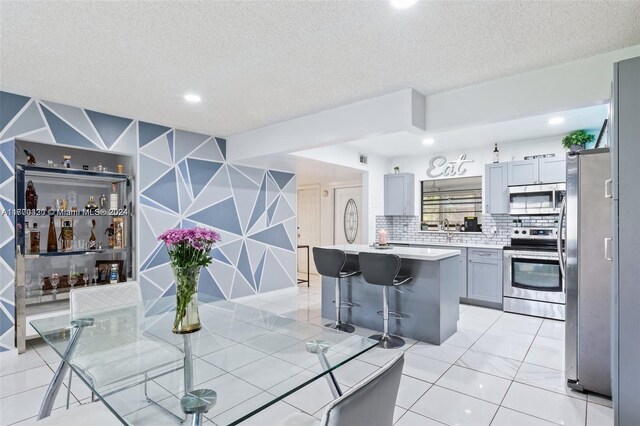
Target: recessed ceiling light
427,141
403,4
556,120
192,97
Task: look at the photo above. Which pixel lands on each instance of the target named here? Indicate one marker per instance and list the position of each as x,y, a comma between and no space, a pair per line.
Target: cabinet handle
483,253
607,188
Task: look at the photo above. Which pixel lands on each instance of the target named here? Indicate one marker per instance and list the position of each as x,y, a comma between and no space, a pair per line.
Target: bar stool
382,269
329,263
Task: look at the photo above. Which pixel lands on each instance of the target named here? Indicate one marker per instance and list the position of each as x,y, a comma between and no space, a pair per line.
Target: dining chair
370,402
116,361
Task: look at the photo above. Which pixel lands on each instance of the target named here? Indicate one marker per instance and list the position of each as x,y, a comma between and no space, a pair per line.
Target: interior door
347,223
308,227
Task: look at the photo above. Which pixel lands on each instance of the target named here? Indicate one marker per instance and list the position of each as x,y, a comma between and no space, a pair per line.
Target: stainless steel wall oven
533,281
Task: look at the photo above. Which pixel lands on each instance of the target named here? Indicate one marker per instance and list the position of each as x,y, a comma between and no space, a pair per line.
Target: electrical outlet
405,228
494,230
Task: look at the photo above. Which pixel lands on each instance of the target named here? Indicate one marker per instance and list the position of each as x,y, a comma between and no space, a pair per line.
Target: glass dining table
250,358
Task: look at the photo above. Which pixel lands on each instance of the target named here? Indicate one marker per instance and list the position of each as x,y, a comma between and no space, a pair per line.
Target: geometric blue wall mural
183,179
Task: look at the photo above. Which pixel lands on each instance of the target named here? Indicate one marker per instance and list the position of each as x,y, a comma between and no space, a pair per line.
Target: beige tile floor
498,369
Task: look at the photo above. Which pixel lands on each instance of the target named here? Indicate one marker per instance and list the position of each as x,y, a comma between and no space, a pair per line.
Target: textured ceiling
256,63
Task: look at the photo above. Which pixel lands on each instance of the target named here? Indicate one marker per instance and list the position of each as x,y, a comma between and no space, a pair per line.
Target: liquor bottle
103,202
34,240
91,204
31,198
118,230
113,199
66,234
27,238
52,239
110,232
92,239
496,154
113,274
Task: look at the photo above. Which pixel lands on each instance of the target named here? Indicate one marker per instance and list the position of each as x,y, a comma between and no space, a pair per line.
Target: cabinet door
552,170
522,172
394,191
463,271
484,276
495,189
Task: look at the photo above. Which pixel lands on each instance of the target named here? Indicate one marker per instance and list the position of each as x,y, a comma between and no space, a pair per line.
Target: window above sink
451,200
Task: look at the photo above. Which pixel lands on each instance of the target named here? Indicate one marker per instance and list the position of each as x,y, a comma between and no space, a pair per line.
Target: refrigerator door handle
607,249
561,258
607,188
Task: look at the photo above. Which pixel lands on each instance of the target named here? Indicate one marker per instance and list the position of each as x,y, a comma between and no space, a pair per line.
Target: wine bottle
496,154
52,239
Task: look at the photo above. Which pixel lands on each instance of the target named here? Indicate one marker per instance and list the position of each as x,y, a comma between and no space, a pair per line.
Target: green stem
186,284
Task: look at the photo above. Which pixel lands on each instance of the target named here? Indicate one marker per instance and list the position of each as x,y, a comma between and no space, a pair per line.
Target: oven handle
562,262
522,255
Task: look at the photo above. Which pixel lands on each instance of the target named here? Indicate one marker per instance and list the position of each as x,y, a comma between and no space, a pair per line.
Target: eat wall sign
440,167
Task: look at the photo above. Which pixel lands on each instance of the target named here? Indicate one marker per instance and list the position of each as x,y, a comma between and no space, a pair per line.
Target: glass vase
187,317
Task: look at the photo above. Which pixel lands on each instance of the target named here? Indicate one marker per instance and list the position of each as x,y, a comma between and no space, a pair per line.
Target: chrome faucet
445,223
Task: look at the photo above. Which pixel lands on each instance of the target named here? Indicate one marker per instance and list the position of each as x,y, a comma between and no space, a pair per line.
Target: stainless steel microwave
536,199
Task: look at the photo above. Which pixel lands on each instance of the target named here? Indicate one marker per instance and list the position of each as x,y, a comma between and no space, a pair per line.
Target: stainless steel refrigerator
587,271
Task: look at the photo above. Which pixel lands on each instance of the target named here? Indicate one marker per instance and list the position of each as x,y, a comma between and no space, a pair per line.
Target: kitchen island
429,304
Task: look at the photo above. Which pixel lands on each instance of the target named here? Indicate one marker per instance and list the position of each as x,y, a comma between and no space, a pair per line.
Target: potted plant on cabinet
577,140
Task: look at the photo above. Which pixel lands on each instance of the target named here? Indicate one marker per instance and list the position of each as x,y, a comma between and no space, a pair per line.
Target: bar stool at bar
330,263
382,270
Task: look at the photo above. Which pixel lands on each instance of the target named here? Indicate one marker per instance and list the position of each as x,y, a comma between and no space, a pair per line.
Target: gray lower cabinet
480,273
484,275
463,270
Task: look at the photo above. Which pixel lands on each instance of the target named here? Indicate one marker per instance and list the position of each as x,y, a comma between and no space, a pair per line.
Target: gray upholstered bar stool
382,270
329,263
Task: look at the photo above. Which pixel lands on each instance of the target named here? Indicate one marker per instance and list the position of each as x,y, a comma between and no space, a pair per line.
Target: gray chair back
379,269
370,402
329,262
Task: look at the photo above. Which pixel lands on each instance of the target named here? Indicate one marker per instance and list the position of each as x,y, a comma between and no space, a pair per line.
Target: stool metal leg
386,340
339,325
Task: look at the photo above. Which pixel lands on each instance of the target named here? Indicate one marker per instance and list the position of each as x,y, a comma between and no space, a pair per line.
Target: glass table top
251,358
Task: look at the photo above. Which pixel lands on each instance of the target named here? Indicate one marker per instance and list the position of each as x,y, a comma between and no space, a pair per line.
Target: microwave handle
561,258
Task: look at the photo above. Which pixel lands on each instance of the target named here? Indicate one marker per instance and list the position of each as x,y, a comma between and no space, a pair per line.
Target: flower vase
187,317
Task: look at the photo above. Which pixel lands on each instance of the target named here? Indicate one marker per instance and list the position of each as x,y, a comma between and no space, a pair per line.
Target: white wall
372,180
559,88
480,156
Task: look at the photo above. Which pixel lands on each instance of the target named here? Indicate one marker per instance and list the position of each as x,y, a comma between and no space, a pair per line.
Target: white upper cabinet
496,194
523,172
399,194
536,171
553,170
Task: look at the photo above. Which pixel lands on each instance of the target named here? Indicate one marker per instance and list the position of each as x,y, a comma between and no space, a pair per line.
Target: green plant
579,137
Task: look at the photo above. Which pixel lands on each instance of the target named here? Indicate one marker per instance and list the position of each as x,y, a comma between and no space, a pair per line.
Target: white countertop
439,244
417,253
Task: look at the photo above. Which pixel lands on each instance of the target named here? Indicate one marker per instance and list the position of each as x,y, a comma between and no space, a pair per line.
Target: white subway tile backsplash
407,228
